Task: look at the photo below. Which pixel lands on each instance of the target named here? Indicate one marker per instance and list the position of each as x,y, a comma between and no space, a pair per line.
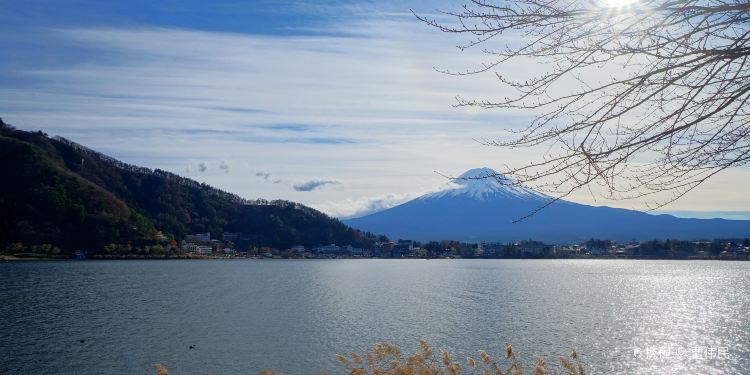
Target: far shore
13,258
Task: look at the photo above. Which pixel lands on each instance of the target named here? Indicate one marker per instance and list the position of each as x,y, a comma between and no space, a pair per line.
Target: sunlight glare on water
623,316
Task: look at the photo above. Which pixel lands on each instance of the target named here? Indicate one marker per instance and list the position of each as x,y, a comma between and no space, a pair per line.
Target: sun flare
619,3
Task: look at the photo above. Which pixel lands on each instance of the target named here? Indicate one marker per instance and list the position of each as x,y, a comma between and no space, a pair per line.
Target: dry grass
387,359
160,369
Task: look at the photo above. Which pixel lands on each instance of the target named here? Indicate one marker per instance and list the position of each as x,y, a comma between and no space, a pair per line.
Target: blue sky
276,17
334,104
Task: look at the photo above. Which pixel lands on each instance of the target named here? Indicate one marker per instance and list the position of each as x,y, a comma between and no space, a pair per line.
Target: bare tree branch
673,114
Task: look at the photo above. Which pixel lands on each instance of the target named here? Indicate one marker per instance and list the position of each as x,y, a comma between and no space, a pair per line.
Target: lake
623,316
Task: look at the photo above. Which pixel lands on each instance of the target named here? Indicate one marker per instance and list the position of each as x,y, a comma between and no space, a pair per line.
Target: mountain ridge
482,205
64,194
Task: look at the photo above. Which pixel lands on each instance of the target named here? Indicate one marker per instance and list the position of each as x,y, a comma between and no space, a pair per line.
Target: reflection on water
623,316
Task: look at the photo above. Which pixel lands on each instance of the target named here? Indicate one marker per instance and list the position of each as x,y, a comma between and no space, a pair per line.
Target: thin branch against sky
306,101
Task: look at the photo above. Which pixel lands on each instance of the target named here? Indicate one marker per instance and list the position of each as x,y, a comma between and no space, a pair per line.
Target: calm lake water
294,316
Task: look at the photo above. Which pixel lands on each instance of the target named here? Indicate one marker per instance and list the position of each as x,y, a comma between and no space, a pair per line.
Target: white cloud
224,166
368,110
313,185
350,208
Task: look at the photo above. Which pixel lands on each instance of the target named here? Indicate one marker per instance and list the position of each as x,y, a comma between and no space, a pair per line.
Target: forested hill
58,192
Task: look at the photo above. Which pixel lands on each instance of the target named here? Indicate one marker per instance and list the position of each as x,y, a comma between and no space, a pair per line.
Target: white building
297,249
189,247
193,248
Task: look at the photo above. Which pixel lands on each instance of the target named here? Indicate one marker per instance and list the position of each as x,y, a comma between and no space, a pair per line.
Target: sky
335,104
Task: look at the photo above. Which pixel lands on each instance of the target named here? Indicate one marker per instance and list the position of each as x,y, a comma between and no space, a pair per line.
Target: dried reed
387,359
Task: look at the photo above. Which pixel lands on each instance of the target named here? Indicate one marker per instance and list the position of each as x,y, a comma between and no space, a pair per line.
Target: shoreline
12,258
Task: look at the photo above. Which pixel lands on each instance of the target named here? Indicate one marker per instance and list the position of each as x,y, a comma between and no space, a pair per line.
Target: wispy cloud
318,103
267,177
313,185
350,208
326,141
366,108
290,127
224,166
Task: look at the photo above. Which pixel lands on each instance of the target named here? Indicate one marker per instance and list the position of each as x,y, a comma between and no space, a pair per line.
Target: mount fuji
482,205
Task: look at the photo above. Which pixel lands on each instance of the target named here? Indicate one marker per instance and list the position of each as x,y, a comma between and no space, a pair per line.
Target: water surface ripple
623,316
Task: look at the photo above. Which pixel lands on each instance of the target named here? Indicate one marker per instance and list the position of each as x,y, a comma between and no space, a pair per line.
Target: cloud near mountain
351,208
313,185
484,205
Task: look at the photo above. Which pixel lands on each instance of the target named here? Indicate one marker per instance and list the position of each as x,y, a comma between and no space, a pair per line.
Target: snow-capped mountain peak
484,183
483,205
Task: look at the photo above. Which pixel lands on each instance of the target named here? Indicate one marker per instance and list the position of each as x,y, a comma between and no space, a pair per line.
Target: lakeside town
237,246
203,245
